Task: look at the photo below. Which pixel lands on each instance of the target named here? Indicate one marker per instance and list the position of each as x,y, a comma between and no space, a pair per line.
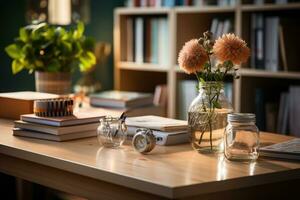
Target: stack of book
79,125
167,131
273,42
147,40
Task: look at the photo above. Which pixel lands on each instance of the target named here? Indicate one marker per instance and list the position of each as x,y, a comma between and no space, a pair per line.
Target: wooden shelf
142,66
261,73
270,7
269,74
185,22
204,9
142,11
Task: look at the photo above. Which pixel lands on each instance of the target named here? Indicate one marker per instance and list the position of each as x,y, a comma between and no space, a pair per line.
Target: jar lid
241,117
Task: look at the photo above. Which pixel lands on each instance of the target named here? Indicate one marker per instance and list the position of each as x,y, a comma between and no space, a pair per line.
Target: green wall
12,15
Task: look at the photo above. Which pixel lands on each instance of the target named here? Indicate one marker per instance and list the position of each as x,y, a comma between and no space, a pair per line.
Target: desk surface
173,172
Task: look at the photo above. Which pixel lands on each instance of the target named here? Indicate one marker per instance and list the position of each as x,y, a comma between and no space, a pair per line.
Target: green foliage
44,47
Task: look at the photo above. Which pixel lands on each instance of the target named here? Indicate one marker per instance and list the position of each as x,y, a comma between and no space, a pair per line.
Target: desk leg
24,189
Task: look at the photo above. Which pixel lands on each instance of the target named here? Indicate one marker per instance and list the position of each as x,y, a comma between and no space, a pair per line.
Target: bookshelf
184,23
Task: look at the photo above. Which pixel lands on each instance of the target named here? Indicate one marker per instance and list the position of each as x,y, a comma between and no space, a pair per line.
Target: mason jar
241,137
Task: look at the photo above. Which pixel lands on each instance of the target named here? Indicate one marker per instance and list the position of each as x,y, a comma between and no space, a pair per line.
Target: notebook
287,150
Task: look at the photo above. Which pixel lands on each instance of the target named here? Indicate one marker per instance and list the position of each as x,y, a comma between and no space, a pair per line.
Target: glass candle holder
241,137
111,132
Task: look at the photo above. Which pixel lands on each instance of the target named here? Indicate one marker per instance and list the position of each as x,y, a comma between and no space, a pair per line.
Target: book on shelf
271,116
283,112
187,92
14,104
147,40
257,41
219,27
58,138
139,40
157,123
163,137
173,3
272,43
288,40
286,150
54,130
161,95
294,110
130,42
121,99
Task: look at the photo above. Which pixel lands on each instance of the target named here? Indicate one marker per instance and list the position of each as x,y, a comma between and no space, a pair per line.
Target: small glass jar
241,137
111,132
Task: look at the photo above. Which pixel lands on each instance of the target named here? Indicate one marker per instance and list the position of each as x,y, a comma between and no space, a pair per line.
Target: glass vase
207,118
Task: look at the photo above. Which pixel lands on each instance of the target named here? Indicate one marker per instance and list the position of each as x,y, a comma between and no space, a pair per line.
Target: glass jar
207,118
241,137
111,132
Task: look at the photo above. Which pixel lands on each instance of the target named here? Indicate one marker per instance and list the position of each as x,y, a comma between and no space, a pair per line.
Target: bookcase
187,22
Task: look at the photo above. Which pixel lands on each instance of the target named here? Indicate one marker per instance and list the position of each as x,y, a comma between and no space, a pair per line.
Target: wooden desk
83,168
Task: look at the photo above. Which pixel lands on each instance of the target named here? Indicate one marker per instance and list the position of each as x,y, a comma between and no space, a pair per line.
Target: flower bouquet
207,113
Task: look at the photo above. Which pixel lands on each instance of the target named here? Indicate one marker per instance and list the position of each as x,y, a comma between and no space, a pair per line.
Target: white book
198,2
143,3
58,138
158,3
139,40
214,26
55,130
157,123
154,40
226,26
163,138
187,93
163,41
272,44
129,3
232,2
219,29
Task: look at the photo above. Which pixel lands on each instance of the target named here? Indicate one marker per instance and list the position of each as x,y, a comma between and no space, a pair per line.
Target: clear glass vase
207,118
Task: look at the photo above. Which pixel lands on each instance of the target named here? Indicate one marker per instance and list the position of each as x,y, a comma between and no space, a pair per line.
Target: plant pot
50,82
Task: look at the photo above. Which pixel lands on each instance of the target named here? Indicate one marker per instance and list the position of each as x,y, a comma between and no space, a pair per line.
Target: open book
287,150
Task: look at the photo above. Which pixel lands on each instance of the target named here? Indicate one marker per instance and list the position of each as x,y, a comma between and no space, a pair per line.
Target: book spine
139,40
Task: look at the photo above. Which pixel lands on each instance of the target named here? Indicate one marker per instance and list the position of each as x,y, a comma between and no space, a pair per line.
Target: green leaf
53,66
17,66
78,33
87,60
24,35
14,51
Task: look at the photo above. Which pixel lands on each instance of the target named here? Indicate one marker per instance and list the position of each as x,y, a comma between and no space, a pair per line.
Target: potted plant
207,115
52,53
